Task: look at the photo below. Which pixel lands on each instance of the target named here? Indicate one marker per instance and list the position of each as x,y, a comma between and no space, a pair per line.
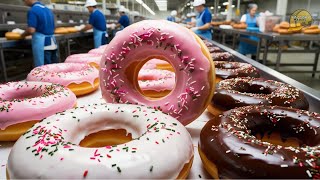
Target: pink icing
64,73
156,80
84,58
154,74
170,41
98,51
25,101
152,64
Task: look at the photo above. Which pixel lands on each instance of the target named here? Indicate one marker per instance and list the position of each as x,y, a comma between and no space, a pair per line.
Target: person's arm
32,24
28,31
86,28
207,17
243,18
205,27
118,25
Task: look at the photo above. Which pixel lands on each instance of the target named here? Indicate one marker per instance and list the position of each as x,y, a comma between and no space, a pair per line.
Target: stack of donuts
239,25
129,136
287,28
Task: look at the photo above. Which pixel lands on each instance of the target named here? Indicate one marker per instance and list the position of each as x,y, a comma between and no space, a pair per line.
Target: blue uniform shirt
41,18
97,20
207,17
171,18
124,21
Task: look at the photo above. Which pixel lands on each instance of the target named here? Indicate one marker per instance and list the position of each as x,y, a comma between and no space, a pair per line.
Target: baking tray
197,170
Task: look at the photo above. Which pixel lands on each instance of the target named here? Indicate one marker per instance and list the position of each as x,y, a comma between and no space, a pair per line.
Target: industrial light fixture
219,7
225,3
162,4
146,7
211,7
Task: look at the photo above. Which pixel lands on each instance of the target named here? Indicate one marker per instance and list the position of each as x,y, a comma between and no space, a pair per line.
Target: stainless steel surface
269,37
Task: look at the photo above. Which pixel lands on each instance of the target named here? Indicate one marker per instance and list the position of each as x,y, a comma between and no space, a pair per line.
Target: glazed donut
222,56
150,39
228,70
79,78
56,148
13,36
231,146
240,26
276,28
284,25
71,29
159,64
237,92
311,31
22,104
156,83
92,59
61,30
284,31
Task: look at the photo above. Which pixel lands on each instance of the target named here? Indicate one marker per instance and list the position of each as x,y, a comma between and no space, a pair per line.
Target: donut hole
280,130
106,138
253,88
153,78
23,94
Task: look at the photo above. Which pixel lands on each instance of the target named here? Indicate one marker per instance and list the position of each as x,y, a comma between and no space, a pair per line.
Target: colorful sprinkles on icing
57,140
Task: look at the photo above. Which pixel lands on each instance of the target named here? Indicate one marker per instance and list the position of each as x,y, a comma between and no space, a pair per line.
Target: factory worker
251,20
41,27
97,21
203,19
172,16
124,19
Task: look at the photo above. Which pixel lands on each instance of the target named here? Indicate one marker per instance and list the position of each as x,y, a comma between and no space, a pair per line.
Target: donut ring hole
132,73
245,87
106,138
280,129
26,93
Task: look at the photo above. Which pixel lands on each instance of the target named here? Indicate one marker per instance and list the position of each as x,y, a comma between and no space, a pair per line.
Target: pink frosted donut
156,83
99,50
85,58
151,39
22,104
158,64
79,78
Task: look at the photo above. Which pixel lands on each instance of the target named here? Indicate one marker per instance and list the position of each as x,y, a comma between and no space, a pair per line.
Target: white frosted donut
160,148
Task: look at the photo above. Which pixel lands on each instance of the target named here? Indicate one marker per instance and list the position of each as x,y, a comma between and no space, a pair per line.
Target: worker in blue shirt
172,16
41,27
203,22
124,20
97,21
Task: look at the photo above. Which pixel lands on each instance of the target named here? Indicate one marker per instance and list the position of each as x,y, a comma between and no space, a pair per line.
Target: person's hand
194,29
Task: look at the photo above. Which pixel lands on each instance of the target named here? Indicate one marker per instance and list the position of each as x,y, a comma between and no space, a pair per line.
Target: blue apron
39,41
246,48
207,33
99,37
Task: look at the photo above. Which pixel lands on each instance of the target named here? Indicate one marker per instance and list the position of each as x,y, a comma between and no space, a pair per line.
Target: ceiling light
225,3
139,1
211,7
219,7
162,4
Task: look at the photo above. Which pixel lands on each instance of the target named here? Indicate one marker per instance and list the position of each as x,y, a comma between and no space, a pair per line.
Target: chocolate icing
222,56
238,92
214,49
227,70
229,142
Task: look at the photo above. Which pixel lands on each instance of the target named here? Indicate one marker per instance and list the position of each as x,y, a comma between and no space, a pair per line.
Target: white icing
165,158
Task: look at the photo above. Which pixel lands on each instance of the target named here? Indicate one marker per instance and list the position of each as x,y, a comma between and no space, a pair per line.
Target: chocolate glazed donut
228,70
238,92
222,56
229,147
